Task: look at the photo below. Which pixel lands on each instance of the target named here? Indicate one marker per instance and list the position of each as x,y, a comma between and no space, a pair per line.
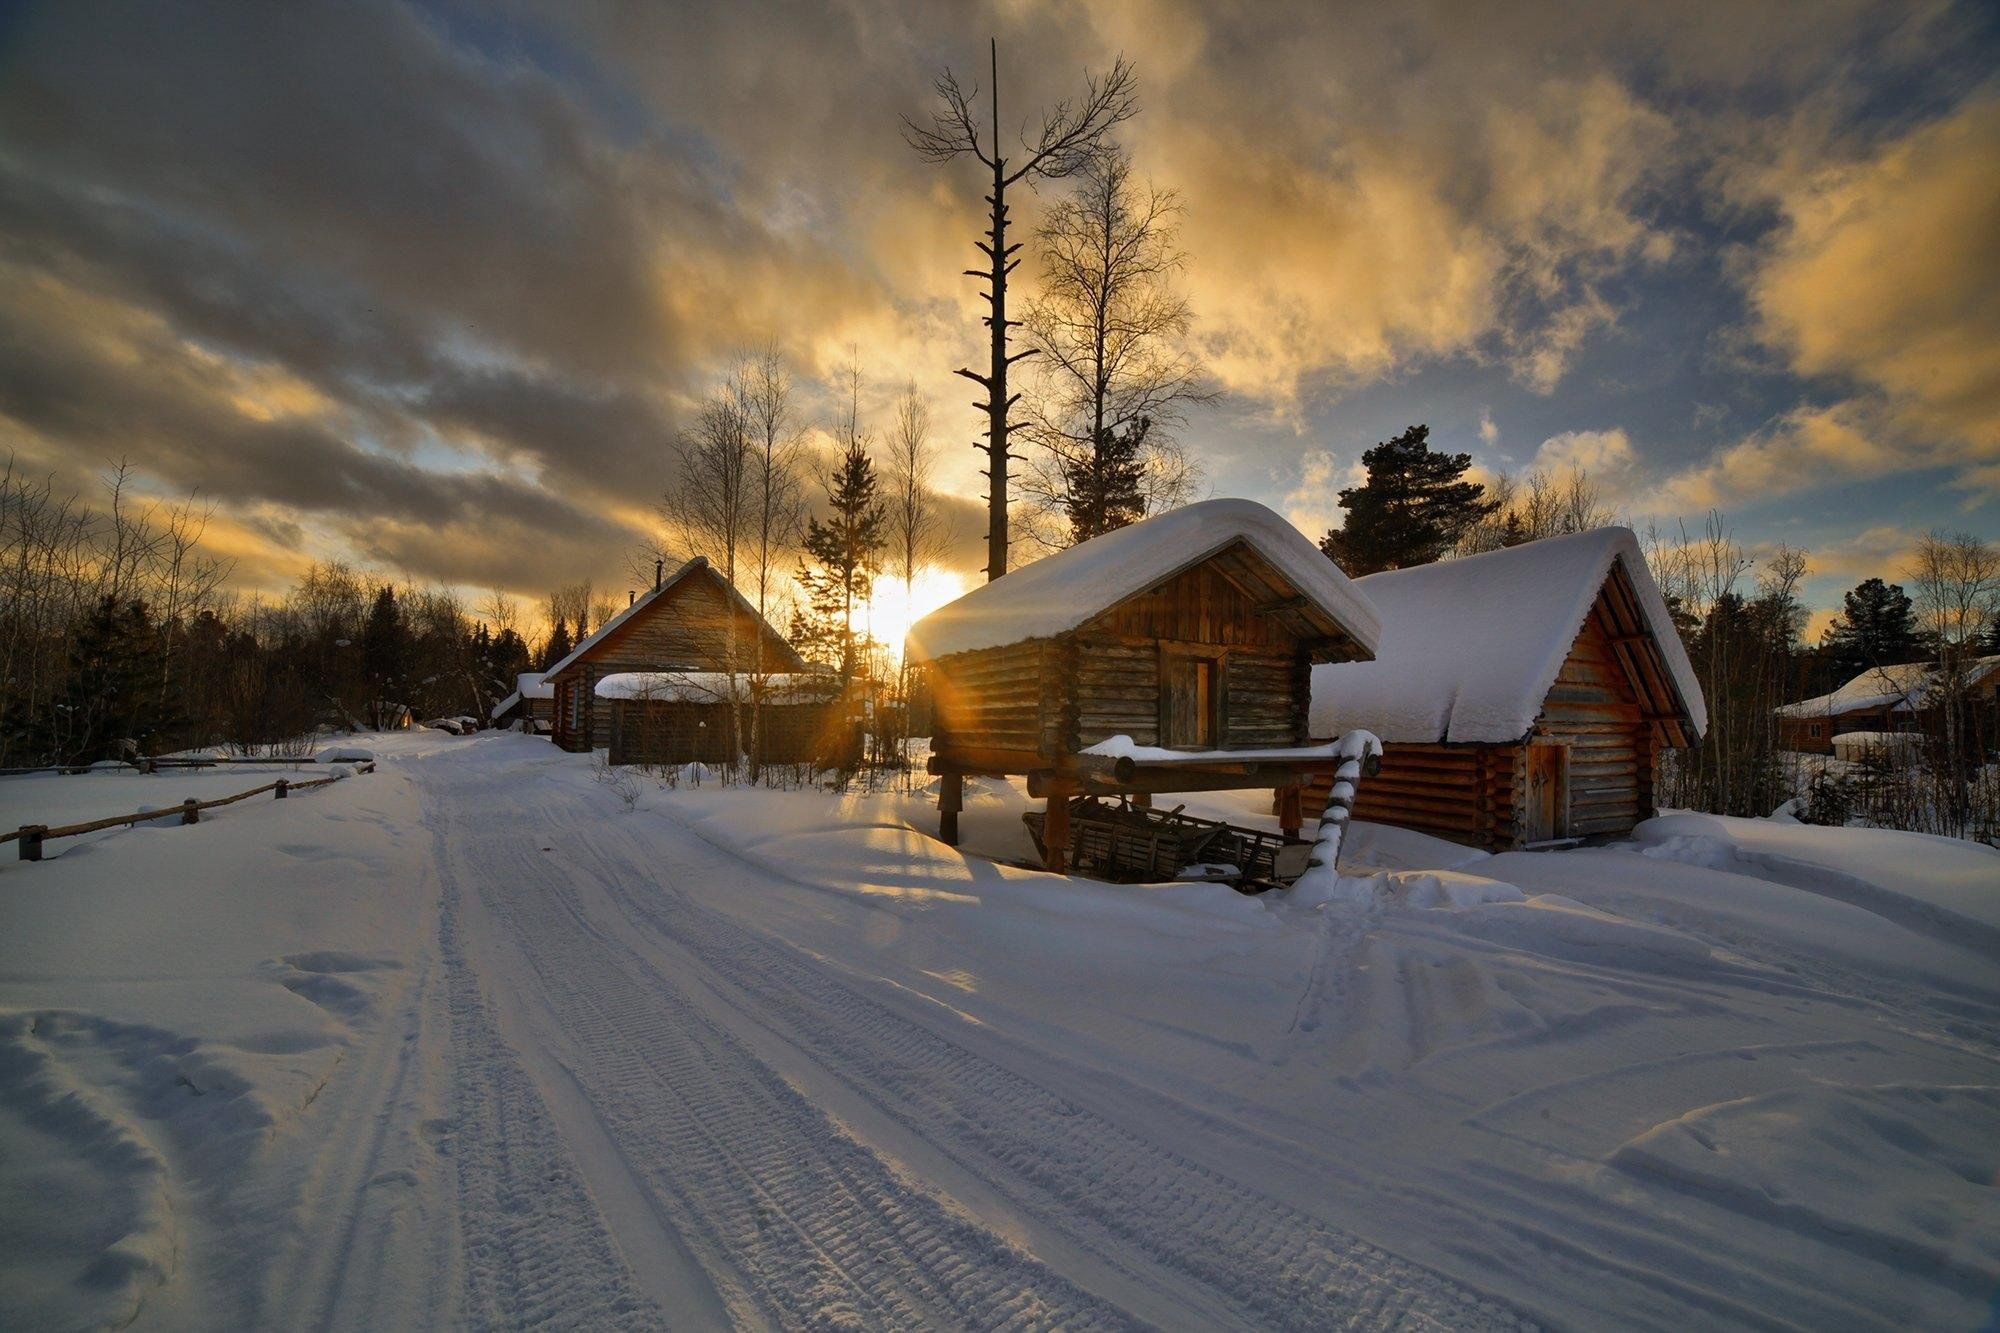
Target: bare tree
1070,134
916,528
1954,579
1110,324
708,505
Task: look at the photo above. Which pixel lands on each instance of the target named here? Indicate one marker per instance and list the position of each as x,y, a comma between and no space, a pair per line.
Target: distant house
677,717
531,705
684,623
1522,696
1881,699
1171,655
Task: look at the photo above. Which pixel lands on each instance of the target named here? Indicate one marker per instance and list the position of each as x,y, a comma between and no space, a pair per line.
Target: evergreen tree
1513,529
1107,485
385,653
842,553
106,699
1412,509
558,647
1876,628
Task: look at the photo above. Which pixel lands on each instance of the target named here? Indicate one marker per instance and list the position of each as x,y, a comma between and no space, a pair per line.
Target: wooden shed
1522,696
529,708
674,717
1171,655
692,620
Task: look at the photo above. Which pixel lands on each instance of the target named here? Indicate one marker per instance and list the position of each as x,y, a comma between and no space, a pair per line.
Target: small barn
1898,698
673,717
692,620
1171,655
1522,696
529,708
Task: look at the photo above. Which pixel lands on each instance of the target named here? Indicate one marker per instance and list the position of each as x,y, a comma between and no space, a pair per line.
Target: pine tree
842,553
1106,486
559,645
1412,509
1877,628
1513,529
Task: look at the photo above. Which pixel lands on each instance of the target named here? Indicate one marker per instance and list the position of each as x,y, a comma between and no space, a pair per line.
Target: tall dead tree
1071,133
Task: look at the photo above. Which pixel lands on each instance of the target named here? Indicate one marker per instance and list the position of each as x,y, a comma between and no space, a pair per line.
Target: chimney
659,571
630,597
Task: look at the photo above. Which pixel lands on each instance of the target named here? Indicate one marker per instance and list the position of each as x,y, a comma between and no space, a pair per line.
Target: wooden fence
32,836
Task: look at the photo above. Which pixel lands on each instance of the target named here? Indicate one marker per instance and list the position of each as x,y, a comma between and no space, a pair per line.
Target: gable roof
1061,592
1471,647
697,566
1900,688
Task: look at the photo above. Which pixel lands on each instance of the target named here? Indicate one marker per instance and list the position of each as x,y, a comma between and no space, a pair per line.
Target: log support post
1291,811
951,799
1143,800
190,811
31,841
1055,830
284,789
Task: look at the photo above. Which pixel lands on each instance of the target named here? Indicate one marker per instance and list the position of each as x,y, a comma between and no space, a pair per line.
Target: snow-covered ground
469,1041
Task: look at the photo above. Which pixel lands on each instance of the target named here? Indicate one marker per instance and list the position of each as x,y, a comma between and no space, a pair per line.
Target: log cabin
692,620
677,717
1523,696
1171,655
1890,699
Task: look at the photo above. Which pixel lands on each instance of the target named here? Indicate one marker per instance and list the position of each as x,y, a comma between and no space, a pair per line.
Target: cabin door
1548,792
1187,701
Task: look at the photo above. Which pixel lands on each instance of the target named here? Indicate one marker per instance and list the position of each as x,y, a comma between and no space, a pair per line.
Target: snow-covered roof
527,685
1064,590
1471,647
710,687
1899,688
697,565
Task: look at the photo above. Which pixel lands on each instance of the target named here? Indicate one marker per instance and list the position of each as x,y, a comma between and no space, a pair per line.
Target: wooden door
1187,701
1548,792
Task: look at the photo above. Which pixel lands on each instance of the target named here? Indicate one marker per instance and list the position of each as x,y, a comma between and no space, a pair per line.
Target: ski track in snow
815,1228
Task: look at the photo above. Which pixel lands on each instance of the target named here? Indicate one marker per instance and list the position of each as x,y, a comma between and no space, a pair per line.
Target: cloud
1313,505
1807,447
1884,275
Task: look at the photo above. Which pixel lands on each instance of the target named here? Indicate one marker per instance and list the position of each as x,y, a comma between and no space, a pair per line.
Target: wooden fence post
1055,829
282,785
951,799
190,811
31,841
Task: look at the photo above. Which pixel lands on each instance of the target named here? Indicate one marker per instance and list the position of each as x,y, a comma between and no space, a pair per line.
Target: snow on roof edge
1423,688
1059,592
654,594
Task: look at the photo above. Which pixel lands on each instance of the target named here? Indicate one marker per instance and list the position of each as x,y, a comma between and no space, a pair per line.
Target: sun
891,609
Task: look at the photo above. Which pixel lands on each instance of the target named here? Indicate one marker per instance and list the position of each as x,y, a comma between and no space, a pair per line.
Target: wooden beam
951,799
1055,831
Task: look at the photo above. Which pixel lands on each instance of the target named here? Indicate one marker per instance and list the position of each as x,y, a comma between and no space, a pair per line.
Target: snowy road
469,1042
661,1012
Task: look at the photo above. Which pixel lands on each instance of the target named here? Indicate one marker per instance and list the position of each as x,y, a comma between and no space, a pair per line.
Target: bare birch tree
1115,373
1069,135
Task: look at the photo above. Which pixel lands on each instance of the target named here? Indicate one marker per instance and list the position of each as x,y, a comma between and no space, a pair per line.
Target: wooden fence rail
32,836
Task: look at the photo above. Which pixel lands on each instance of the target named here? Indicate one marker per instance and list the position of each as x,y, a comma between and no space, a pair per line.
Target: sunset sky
427,287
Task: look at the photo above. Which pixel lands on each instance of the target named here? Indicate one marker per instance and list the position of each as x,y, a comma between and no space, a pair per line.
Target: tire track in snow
813,1227
535,1251
1115,1192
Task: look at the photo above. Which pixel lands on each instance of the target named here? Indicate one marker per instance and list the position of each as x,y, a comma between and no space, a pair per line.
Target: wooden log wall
1469,794
994,699
1594,709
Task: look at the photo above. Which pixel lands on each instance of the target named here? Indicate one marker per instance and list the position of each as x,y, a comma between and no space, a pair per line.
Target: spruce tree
1412,509
559,645
1876,628
1106,485
385,652
105,699
842,553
